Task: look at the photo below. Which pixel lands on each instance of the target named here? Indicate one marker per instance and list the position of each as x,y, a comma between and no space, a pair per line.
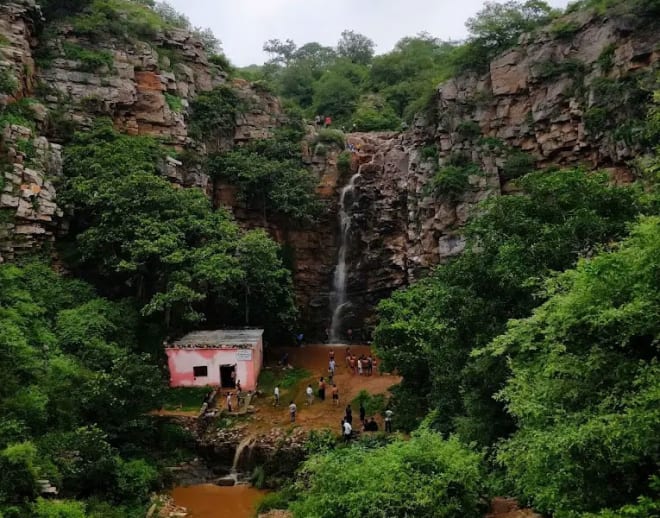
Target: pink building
218,358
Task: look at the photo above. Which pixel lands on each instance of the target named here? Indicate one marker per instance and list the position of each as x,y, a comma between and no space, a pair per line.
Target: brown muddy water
211,501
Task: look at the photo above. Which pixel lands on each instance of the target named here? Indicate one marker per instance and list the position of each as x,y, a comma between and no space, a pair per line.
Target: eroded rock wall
538,101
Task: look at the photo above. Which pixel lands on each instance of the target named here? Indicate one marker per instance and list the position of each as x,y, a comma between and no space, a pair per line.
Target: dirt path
321,414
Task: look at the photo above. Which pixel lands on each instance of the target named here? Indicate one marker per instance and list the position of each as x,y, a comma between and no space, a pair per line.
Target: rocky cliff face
144,87
567,96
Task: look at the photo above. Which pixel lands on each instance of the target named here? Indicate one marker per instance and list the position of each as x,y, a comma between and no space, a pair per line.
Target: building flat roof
218,339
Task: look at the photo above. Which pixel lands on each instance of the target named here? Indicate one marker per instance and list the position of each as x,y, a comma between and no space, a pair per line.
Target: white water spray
338,296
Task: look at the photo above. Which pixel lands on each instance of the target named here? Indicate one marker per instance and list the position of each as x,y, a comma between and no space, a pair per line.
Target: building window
201,372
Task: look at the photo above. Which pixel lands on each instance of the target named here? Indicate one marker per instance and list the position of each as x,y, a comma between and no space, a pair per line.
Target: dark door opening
228,376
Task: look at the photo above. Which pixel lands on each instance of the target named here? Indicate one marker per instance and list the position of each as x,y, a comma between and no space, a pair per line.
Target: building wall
182,361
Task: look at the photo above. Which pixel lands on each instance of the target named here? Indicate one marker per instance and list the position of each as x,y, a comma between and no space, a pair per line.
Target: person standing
359,365
328,121
292,411
331,369
363,412
310,395
335,395
388,420
348,429
349,414
229,401
317,121
276,393
322,389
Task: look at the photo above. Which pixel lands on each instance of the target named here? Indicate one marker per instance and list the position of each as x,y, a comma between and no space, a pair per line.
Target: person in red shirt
328,121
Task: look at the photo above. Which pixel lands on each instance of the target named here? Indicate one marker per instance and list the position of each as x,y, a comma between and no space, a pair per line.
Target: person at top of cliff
328,121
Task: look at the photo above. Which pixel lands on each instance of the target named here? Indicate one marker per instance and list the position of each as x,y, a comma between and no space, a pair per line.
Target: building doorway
228,376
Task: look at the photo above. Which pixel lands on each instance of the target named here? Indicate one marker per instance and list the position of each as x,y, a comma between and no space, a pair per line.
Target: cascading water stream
338,296
247,442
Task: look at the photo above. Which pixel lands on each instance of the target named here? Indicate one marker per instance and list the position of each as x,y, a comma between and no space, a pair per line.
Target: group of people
321,121
362,365
240,397
368,425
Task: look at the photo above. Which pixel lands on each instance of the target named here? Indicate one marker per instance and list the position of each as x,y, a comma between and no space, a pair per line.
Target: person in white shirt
388,420
292,411
310,394
276,392
348,429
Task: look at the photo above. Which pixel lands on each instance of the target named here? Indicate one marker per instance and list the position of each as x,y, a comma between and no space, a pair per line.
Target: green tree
425,476
356,47
428,331
585,383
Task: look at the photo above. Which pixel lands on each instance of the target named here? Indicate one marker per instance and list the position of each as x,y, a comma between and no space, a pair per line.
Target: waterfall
247,442
338,296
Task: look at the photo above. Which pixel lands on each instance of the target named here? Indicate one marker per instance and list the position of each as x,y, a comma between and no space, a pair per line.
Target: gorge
483,214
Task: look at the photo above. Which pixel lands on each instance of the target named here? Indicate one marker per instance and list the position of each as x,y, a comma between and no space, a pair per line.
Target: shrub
606,58
344,162
550,69
430,152
564,29
425,476
518,163
90,60
453,180
332,137
276,500
8,83
320,441
18,466
174,102
373,404
213,114
58,509
468,129
135,479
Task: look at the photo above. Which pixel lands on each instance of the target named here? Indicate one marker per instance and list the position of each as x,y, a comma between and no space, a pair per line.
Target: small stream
211,501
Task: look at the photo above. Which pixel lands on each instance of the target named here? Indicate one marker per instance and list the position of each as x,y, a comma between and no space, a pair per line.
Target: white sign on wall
243,355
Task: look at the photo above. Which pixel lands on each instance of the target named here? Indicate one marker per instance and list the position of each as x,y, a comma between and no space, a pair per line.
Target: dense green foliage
425,476
428,331
364,92
75,386
271,177
585,383
140,236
